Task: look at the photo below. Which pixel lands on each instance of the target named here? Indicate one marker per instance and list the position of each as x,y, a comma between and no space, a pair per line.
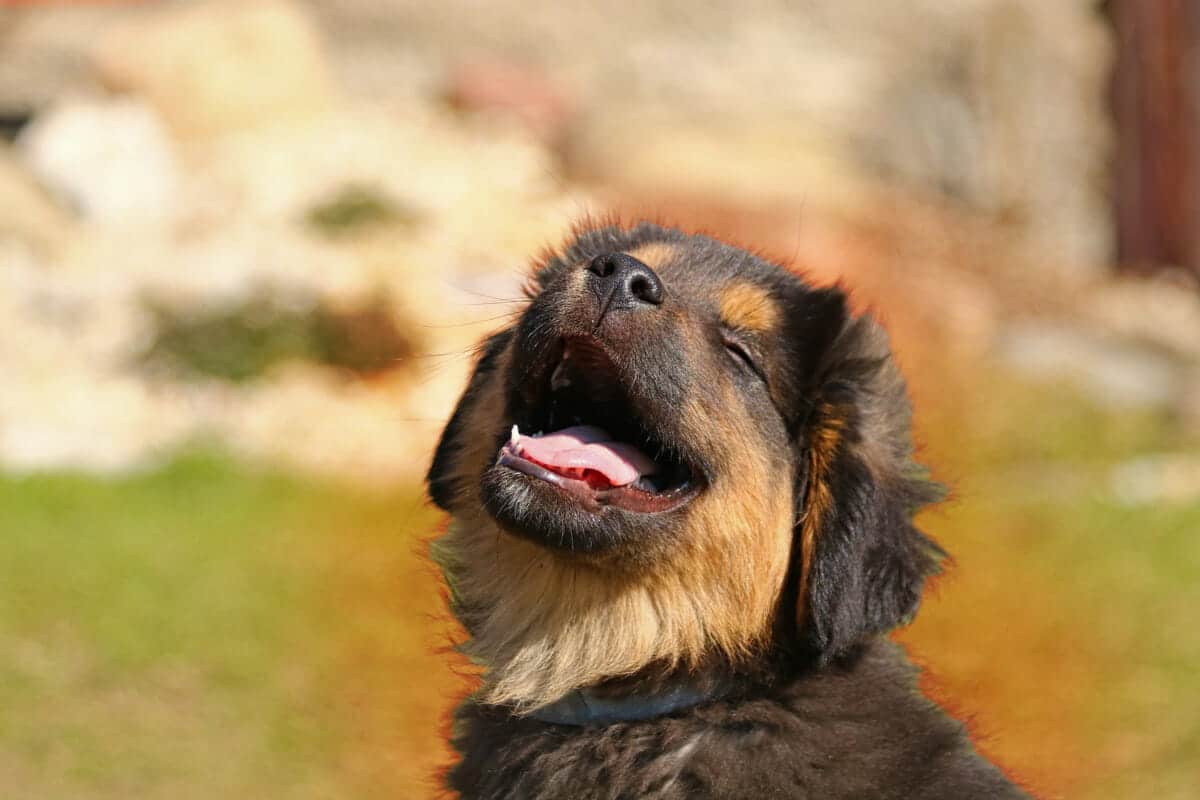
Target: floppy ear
861,562
444,479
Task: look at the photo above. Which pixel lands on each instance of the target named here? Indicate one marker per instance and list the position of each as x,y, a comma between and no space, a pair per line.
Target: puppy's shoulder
855,729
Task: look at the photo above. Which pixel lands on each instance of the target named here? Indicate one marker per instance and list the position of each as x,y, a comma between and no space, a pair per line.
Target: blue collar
585,707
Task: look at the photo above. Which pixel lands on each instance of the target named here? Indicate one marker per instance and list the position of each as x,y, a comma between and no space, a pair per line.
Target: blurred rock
1116,373
109,159
774,160
45,48
1153,310
220,65
998,104
482,201
372,438
441,173
27,212
1172,478
506,90
66,402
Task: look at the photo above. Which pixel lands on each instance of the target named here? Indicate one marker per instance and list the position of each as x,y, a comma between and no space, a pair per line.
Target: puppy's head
678,453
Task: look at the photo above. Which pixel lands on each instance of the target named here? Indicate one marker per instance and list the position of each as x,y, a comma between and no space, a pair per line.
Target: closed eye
741,353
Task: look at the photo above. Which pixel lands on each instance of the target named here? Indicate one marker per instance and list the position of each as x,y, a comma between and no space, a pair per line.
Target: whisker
506,316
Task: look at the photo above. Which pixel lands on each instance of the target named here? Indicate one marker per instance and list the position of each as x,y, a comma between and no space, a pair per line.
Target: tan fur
747,306
543,625
823,446
655,254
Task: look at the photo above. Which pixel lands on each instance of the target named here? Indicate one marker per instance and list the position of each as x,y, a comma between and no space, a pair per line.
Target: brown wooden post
1156,104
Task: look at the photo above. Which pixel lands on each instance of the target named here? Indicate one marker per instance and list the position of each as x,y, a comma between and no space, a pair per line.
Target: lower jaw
546,515
626,498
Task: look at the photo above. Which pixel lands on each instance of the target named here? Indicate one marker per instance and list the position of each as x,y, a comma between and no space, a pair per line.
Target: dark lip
626,498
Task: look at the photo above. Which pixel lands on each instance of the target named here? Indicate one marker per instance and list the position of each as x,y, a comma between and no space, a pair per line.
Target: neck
603,706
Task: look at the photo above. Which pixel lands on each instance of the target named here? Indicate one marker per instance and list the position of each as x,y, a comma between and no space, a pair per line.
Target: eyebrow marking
654,254
750,307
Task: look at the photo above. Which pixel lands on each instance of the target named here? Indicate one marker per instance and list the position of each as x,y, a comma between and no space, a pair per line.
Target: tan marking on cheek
713,418
739,538
747,306
705,426
654,255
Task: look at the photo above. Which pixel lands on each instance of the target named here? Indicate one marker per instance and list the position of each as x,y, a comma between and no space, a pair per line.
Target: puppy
681,491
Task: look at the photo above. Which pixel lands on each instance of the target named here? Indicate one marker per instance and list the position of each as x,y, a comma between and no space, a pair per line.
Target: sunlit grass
1064,626
209,630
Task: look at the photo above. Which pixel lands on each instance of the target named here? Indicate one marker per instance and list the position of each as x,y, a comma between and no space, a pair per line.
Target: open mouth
582,435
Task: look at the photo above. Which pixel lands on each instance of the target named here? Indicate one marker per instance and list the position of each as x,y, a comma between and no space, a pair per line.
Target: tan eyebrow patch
654,254
747,306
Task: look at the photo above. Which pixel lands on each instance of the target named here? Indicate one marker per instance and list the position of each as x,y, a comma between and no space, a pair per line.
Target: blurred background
246,247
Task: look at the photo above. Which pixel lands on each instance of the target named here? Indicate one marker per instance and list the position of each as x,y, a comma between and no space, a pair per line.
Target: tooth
515,436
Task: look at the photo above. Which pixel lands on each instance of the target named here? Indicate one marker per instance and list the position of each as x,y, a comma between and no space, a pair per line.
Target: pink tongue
586,447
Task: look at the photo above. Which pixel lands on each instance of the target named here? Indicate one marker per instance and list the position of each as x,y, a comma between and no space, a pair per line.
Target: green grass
184,633
1069,620
244,340
1069,627
356,208
1132,576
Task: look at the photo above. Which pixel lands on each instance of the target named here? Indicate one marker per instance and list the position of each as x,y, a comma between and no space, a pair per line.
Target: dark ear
861,563
443,478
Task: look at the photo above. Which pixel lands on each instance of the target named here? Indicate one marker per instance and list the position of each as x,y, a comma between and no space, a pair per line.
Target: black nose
629,281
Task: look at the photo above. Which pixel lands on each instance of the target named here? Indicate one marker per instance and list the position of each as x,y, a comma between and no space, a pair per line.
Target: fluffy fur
856,729
773,583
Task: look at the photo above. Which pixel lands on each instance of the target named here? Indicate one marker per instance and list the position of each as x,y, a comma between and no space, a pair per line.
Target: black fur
871,562
441,486
855,729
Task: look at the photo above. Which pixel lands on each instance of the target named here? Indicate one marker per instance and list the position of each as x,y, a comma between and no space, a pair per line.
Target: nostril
639,287
603,266
645,289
